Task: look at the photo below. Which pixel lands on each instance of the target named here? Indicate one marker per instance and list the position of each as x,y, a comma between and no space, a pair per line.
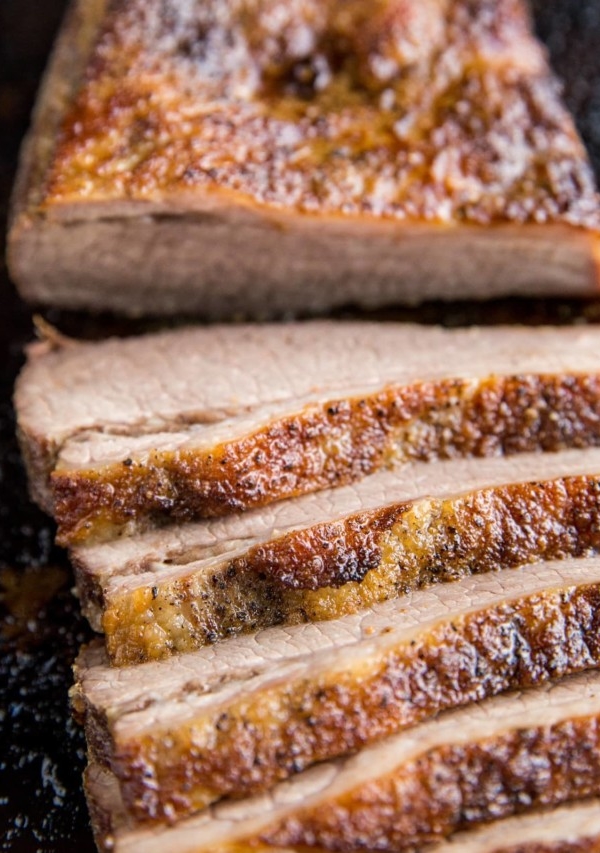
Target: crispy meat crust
585,845
60,85
446,789
455,787
413,110
588,845
253,742
336,568
329,445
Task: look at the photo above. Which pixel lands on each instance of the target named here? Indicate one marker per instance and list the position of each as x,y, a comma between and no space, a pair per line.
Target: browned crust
331,444
253,742
282,159
62,78
448,789
336,568
583,845
36,452
137,118
453,788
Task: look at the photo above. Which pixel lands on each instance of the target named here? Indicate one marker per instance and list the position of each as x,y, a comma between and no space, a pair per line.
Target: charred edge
331,445
516,645
94,719
105,816
407,547
582,845
37,456
89,591
456,787
98,741
438,540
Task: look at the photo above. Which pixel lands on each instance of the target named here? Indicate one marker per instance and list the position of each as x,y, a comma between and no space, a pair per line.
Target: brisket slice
509,755
572,828
236,718
201,422
211,161
331,553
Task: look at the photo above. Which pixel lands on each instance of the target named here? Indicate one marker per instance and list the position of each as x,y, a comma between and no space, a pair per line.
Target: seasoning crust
247,745
452,788
412,111
337,568
329,445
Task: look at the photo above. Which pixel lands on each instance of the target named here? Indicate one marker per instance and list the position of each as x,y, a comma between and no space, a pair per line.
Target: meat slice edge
235,719
338,565
573,828
507,756
327,403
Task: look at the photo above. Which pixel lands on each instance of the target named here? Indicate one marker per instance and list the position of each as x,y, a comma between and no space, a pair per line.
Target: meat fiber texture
198,422
238,717
506,757
324,555
568,829
476,473
286,156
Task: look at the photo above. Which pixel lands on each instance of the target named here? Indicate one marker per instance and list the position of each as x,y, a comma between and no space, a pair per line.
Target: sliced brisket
331,553
568,829
236,718
510,755
201,422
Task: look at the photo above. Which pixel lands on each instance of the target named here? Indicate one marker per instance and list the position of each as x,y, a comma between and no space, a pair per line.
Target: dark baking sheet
41,751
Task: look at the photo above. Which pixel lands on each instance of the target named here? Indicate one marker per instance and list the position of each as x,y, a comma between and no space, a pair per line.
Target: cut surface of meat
201,422
334,552
568,829
238,717
507,756
283,156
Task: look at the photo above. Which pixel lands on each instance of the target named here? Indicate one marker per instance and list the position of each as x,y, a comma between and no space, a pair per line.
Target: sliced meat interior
568,829
504,757
237,717
331,553
201,422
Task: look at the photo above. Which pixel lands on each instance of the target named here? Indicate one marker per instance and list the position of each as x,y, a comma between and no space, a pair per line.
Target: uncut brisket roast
221,157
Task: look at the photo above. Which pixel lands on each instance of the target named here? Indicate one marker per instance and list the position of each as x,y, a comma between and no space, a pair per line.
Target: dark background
41,751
